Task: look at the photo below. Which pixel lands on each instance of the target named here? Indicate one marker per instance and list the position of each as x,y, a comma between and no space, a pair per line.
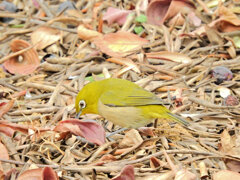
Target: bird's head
87,99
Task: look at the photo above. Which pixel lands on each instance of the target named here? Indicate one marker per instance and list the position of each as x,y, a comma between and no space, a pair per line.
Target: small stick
54,94
40,86
100,149
209,105
196,152
41,110
203,170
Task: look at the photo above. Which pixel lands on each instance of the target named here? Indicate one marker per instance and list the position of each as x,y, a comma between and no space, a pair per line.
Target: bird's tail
178,119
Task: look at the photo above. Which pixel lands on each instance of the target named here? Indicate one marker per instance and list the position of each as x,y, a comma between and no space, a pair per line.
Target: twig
195,152
209,105
100,149
41,110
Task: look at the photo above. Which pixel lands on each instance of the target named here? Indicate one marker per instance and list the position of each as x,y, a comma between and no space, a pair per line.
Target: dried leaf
45,36
116,15
127,173
155,162
230,145
226,174
131,138
170,56
26,63
3,155
39,174
147,131
9,128
87,34
159,11
5,107
119,44
92,131
185,175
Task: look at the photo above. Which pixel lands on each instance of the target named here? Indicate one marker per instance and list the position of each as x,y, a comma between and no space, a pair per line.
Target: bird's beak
79,114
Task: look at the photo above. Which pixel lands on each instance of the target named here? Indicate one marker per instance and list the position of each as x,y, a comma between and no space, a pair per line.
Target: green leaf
141,18
138,29
91,79
17,26
236,40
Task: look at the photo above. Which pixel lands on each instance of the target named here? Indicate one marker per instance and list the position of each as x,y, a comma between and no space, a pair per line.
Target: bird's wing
136,97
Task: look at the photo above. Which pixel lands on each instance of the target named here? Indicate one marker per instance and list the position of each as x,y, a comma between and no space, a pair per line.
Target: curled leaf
5,107
92,131
227,22
45,36
87,34
116,15
26,63
158,11
119,44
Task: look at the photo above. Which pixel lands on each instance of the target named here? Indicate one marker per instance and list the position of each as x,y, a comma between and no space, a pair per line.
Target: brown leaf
159,11
131,138
170,56
3,155
9,128
230,146
4,108
155,162
26,63
87,34
227,22
127,173
119,44
147,131
39,174
92,131
116,15
225,175
45,36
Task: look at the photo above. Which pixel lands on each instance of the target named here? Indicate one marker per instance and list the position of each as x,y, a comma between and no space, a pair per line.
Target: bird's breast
129,117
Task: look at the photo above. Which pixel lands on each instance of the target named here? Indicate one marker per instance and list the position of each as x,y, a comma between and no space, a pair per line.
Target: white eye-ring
82,104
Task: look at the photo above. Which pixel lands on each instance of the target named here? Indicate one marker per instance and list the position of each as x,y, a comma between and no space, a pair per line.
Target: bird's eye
82,104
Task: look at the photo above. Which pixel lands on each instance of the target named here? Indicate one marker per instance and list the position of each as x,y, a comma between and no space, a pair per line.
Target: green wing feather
134,97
